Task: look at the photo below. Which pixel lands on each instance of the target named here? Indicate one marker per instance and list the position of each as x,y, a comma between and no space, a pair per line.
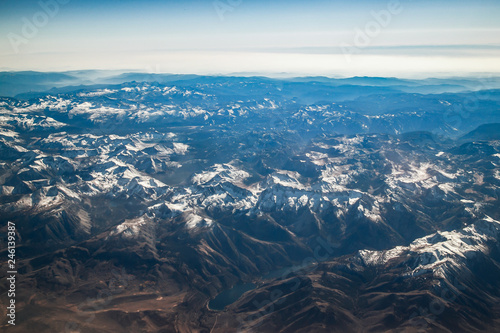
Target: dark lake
230,296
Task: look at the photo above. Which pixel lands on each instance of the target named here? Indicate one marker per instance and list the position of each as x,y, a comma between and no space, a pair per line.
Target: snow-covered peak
129,228
194,221
284,178
439,251
220,173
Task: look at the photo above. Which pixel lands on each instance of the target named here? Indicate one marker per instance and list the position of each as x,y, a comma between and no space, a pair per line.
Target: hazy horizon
98,74
328,38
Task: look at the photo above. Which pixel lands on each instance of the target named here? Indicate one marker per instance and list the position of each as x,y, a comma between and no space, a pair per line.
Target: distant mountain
146,77
17,83
485,132
13,83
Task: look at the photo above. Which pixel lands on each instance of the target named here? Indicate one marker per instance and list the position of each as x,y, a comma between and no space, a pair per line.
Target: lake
230,296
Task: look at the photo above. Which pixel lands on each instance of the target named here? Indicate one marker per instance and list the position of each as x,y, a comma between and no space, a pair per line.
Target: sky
405,38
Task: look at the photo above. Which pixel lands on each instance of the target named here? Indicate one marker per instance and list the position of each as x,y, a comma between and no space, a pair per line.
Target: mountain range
297,205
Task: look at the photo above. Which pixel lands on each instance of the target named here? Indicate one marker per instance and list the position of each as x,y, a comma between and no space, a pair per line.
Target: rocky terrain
354,206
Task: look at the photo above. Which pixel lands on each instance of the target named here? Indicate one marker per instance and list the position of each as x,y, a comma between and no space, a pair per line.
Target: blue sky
332,38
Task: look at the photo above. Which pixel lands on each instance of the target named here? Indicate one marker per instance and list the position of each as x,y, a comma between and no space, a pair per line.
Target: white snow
194,221
220,173
98,93
440,251
180,148
129,228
